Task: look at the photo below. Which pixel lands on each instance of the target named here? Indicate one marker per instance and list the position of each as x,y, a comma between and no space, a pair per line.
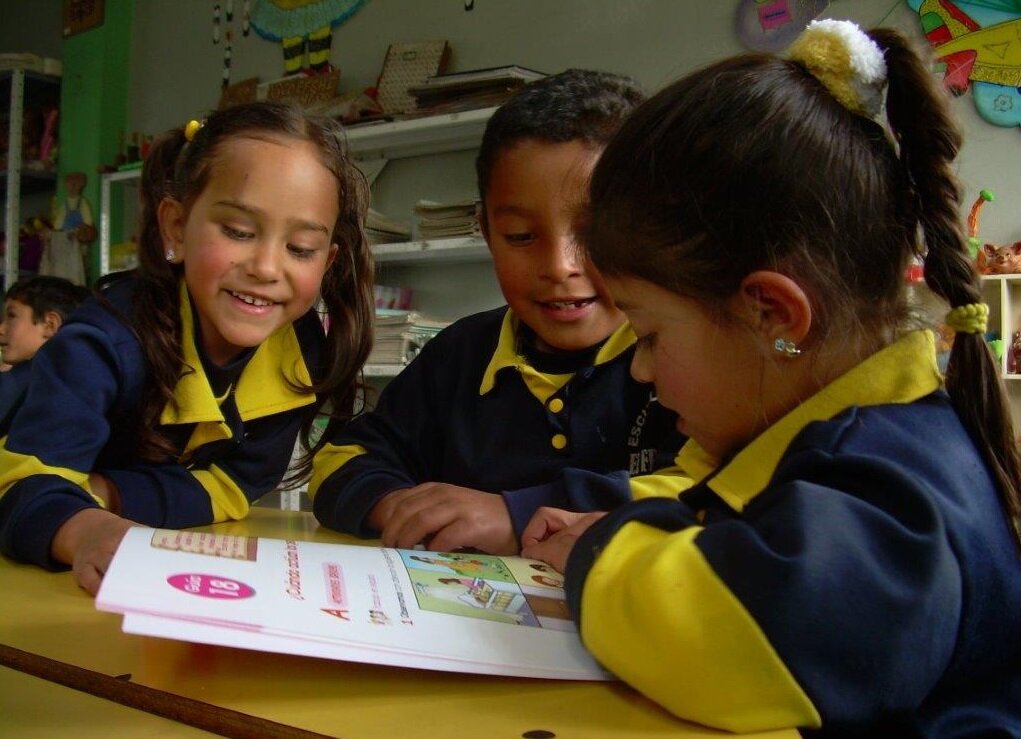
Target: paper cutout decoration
979,42
770,25
304,28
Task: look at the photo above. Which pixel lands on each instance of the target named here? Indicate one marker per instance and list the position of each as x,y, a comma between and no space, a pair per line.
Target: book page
453,611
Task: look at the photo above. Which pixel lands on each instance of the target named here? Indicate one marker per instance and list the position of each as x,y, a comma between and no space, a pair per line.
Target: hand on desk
445,517
87,541
551,534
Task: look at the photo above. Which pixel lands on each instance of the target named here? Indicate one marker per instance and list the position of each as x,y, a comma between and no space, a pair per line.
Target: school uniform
849,572
13,384
80,415
472,410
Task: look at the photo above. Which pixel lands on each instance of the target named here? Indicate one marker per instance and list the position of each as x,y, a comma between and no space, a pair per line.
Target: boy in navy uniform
34,310
527,405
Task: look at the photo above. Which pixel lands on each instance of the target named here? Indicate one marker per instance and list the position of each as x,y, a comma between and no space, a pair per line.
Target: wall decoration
770,25
304,29
979,42
81,15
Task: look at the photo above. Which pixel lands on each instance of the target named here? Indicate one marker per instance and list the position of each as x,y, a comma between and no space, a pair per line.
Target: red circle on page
211,586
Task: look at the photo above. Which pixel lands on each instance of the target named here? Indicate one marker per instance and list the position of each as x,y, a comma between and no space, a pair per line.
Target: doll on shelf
73,230
75,210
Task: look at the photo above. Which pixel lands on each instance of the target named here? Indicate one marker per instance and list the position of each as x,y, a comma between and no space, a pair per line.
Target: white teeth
251,300
565,304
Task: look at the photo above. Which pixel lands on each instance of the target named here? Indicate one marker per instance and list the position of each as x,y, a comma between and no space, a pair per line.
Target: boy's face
535,191
20,335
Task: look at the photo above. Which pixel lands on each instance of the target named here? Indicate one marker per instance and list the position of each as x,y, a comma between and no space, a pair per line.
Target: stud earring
786,347
171,255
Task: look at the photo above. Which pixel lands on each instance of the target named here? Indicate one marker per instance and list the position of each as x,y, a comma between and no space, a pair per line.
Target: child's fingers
416,522
545,522
535,531
88,577
552,551
490,534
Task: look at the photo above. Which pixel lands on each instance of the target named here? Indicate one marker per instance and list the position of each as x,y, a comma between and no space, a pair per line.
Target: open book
443,611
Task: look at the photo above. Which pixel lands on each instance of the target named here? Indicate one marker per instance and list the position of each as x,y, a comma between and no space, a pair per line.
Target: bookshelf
393,140
20,88
1003,295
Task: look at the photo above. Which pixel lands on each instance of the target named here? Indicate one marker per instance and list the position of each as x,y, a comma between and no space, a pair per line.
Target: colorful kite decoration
979,42
304,29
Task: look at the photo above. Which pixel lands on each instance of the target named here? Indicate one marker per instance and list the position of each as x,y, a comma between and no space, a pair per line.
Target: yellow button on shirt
556,405
559,441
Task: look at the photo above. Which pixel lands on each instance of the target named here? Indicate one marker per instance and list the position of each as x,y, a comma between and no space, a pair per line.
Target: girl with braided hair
847,560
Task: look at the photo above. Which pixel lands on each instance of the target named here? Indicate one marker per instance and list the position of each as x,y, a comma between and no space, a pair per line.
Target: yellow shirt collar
507,355
264,387
900,373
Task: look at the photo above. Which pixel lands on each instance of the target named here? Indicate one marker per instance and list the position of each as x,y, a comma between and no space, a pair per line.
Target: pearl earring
171,255
786,347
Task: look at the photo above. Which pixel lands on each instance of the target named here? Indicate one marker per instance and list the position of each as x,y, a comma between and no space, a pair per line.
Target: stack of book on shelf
474,88
400,335
380,229
447,220
387,296
458,612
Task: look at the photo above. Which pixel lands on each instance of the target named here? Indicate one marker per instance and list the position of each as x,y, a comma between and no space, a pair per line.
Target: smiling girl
176,397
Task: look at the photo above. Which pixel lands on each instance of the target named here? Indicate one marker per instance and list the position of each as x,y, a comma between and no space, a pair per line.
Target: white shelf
383,370
419,136
105,181
18,87
394,140
460,249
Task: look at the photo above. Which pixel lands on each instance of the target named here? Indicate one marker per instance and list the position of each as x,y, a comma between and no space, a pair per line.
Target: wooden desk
51,629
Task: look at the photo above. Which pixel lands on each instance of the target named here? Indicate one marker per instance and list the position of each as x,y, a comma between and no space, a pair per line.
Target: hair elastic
844,59
969,319
191,129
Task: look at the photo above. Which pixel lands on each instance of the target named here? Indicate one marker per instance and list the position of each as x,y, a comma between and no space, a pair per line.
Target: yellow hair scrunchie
846,61
191,129
969,319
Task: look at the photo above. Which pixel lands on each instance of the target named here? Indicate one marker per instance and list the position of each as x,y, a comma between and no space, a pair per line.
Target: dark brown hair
752,164
178,169
44,293
574,105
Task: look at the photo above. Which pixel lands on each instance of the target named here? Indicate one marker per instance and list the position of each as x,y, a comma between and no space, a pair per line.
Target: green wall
94,103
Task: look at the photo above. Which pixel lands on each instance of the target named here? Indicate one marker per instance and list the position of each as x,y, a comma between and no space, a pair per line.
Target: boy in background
34,310
526,405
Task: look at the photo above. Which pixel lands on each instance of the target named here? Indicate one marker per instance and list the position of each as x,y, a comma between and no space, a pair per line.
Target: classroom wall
32,26
176,70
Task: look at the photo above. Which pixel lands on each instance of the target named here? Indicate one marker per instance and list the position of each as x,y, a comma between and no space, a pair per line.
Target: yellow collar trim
507,355
264,387
902,372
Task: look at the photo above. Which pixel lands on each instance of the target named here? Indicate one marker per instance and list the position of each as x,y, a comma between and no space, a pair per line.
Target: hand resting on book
552,532
444,517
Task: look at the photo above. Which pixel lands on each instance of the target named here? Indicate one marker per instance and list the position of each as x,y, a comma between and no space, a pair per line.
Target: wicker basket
240,92
305,91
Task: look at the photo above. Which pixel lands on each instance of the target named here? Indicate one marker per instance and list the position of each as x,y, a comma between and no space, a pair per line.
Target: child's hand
552,532
446,517
87,541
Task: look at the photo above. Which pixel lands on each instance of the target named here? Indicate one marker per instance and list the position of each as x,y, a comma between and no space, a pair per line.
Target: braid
929,143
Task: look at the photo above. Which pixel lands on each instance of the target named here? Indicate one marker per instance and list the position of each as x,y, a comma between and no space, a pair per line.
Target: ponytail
929,143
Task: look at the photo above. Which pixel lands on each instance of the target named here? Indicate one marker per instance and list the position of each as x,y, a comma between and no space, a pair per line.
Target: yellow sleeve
655,613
